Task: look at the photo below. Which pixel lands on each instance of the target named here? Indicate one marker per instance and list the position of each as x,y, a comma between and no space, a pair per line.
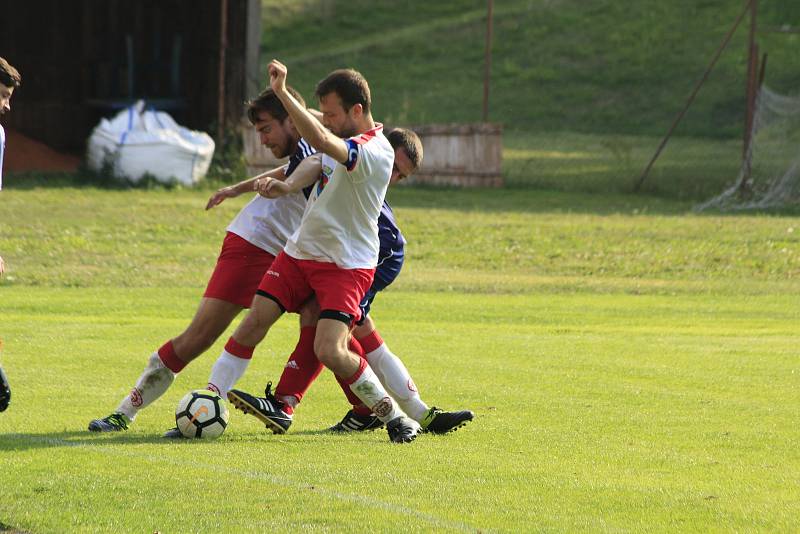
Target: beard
348,129
283,151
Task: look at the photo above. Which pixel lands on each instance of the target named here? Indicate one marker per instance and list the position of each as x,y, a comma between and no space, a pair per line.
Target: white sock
227,370
398,382
369,389
154,381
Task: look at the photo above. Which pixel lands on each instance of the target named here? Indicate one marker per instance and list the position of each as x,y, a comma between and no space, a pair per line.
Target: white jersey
340,223
268,223
2,149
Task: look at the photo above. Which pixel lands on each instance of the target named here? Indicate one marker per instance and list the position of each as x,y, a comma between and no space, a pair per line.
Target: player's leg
303,366
276,410
339,292
235,357
230,289
395,376
5,387
283,288
390,370
5,391
331,347
212,318
360,417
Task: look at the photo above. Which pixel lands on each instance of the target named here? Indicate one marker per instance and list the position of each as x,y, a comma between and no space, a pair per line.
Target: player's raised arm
307,125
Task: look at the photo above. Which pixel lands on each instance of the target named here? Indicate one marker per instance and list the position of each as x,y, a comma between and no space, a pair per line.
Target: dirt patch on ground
25,154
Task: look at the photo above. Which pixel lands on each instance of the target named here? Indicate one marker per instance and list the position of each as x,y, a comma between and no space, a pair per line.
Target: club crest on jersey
323,178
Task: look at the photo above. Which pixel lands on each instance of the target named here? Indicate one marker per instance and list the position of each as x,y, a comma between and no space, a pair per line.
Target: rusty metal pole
691,98
487,72
750,95
223,45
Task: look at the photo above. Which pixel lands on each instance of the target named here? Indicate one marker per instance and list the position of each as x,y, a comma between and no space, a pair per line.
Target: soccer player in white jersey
333,253
254,238
9,80
276,410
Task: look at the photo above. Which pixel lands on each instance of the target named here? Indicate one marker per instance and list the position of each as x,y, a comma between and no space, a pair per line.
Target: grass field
632,366
584,92
609,67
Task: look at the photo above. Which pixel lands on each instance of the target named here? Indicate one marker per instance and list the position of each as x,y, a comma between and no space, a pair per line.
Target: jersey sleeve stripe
305,148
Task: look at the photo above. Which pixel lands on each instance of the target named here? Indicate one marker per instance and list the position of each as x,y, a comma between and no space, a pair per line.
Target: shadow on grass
528,200
8,529
85,178
74,438
511,199
84,438
27,181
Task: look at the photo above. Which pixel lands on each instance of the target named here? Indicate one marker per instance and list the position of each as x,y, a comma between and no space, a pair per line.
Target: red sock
169,358
237,349
371,341
302,368
352,398
362,409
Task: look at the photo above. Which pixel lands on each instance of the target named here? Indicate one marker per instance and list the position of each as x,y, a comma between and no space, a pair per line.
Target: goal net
770,173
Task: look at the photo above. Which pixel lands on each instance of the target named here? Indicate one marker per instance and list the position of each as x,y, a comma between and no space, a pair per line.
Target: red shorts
240,267
290,282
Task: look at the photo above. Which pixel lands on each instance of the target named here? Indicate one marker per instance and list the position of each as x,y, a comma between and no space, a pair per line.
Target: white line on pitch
256,475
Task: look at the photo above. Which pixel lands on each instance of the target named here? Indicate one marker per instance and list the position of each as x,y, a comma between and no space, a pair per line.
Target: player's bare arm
233,191
306,123
304,175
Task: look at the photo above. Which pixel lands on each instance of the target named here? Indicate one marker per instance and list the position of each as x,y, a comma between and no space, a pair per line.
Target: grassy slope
87,237
632,367
600,67
585,90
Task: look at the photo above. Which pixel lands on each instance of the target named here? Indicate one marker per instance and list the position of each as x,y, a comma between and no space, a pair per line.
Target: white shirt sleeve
2,150
360,160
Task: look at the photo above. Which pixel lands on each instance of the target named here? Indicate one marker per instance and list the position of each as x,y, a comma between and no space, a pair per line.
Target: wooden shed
460,155
81,60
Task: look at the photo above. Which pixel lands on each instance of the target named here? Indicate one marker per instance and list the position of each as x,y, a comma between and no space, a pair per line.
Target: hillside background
605,78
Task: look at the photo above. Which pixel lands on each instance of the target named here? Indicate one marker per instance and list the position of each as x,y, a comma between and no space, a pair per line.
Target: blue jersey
302,151
390,258
392,242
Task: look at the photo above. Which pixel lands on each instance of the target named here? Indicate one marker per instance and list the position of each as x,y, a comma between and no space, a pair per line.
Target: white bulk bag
138,141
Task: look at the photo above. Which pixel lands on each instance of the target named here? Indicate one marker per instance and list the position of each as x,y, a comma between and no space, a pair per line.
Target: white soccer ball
201,414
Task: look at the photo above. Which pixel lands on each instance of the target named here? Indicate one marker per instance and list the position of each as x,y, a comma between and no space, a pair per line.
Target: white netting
770,173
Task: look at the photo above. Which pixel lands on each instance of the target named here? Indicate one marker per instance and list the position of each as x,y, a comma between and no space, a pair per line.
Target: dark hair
268,101
408,141
9,76
349,85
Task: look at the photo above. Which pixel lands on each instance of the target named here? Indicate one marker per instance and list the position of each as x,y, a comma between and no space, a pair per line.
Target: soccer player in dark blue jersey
303,366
